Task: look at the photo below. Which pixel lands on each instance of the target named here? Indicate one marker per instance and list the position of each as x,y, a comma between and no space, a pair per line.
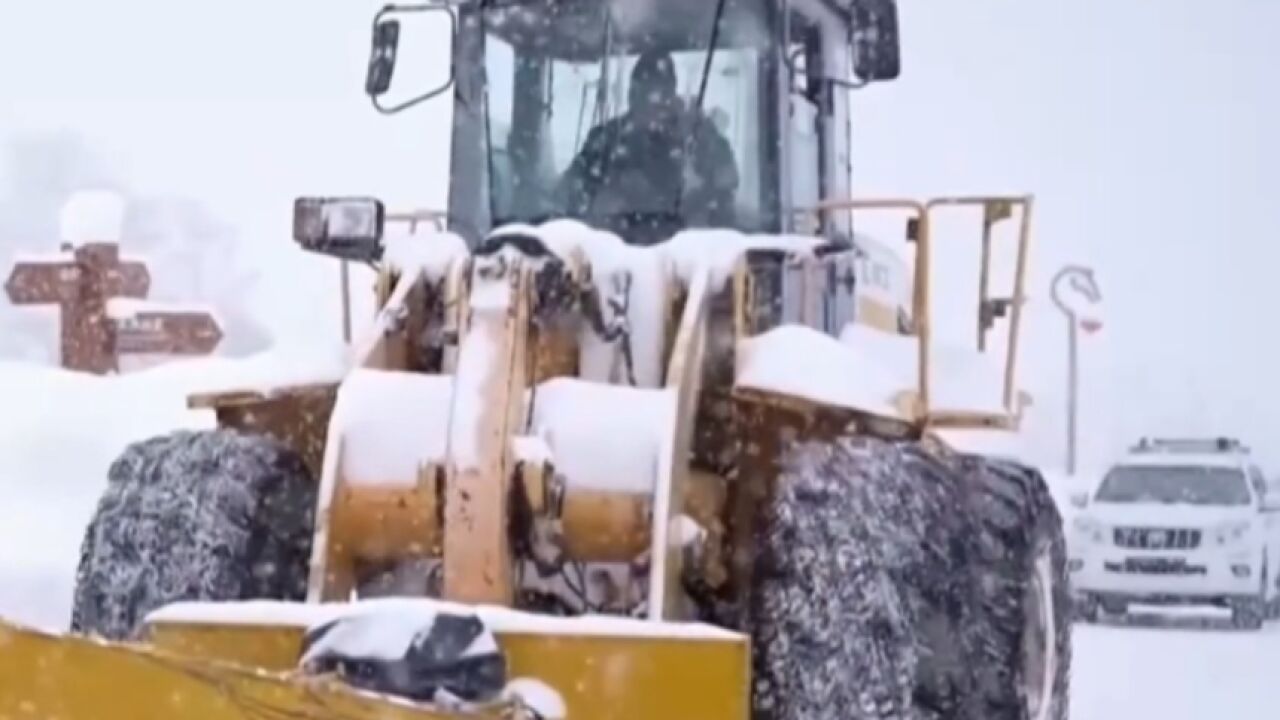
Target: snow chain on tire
194,516
892,584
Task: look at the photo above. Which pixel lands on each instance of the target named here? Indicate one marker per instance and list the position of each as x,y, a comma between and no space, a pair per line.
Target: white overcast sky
1145,129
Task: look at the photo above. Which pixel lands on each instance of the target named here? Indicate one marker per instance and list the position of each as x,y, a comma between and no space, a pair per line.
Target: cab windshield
638,117
1191,485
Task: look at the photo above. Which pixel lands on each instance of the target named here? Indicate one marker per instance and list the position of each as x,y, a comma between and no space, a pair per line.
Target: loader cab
753,122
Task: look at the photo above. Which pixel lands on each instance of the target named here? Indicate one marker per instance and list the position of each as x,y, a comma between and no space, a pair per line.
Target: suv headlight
1232,531
1090,528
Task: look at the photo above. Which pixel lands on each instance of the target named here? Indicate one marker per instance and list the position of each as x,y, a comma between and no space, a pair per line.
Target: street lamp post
1081,280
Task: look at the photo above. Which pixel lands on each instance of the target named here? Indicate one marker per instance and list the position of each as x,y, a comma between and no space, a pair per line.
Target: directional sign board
128,279
83,284
47,281
40,283
166,333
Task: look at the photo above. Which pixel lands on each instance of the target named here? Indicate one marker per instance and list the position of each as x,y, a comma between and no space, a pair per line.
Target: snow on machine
643,428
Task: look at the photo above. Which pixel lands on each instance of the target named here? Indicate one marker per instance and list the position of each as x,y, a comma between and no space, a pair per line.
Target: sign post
1081,280
82,284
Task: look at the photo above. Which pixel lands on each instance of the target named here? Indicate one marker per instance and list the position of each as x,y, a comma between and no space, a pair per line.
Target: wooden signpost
83,284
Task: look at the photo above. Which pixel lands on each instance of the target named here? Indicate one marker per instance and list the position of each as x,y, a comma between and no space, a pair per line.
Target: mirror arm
453,33
385,110
840,82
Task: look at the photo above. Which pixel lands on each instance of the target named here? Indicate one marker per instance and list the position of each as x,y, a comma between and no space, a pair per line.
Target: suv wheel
1248,613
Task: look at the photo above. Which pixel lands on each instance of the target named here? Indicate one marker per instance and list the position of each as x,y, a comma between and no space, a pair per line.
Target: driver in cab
657,168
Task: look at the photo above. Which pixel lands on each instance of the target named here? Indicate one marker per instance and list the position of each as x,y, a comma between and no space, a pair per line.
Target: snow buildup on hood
802,362
429,254
391,423
959,378
1156,514
647,275
92,216
613,263
537,696
716,249
867,369
500,620
603,437
719,250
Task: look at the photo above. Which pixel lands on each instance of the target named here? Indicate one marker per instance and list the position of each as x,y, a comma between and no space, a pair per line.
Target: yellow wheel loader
645,426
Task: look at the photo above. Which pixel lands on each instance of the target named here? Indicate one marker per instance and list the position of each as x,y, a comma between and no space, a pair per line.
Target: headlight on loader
347,228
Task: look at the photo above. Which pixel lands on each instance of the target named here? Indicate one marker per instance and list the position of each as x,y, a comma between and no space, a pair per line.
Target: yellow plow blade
218,670
73,678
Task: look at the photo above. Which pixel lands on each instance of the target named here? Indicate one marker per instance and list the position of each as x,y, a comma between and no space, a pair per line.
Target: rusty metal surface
296,417
91,341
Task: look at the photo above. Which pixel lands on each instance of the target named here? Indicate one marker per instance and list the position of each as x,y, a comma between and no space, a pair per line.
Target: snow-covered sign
146,328
79,283
104,315
37,280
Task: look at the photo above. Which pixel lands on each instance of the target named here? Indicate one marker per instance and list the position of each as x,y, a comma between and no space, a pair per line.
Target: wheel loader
645,425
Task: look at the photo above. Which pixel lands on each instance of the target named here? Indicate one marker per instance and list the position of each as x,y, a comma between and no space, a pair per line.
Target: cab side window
804,60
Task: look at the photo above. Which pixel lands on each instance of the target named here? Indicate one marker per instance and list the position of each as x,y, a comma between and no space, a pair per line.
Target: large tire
873,594
194,516
1027,606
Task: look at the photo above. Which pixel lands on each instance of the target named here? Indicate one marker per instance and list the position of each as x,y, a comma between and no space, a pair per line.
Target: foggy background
1141,128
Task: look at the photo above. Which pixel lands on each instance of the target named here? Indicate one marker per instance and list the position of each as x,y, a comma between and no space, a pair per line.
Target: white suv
1179,522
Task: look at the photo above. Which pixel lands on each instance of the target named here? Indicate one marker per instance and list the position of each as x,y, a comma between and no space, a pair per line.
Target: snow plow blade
221,670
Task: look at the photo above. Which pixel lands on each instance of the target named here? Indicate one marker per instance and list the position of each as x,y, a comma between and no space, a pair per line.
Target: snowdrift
59,433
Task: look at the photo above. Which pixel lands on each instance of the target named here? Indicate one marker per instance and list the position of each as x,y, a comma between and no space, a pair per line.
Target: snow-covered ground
59,432
1175,671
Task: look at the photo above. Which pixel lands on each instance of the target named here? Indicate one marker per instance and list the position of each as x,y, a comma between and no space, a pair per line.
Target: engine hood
1161,515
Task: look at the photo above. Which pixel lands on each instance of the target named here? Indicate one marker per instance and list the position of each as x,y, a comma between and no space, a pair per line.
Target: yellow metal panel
275,648
619,678
629,678
71,678
878,315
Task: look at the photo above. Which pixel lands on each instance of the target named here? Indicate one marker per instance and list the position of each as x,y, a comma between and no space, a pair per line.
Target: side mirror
382,57
346,228
873,37
1270,503
1079,500
386,48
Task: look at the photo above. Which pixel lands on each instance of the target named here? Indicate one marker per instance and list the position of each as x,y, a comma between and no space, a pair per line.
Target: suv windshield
1190,484
632,120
